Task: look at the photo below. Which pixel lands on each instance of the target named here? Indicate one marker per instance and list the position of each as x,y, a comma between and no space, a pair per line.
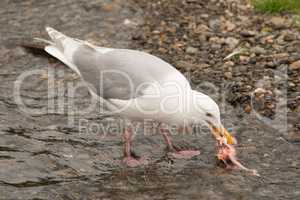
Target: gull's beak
223,133
230,139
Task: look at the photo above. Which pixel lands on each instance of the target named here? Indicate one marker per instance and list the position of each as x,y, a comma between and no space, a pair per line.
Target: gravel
44,156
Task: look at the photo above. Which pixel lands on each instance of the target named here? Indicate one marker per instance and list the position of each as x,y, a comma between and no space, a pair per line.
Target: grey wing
121,73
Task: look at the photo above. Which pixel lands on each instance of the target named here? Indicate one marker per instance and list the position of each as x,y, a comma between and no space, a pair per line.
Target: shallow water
43,156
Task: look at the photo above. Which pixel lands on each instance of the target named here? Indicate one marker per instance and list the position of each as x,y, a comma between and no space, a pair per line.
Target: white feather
60,56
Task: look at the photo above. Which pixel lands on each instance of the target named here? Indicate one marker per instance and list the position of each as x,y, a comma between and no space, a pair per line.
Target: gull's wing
123,74
113,73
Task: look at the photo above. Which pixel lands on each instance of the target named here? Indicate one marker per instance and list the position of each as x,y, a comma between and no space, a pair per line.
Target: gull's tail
58,38
61,47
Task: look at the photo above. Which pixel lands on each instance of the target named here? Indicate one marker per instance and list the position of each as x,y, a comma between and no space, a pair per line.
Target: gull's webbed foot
133,162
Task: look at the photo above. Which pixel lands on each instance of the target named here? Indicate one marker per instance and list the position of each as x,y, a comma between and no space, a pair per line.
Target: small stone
244,59
185,65
191,66
258,50
44,76
289,37
297,109
247,108
214,24
228,75
270,41
247,33
109,7
191,50
266,155
294,136
259,92
229,26
271,64
280,55
215,47
278,22
243,18
204,15
202,28
202,66
230,14
162,50
216,40
128,22
228,64
291,84
295,65
232,42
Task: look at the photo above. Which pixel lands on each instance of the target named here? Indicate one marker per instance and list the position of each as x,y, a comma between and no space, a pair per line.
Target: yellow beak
230,139
223,133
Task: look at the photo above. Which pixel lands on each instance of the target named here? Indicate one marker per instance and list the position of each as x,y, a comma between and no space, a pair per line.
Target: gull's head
206,111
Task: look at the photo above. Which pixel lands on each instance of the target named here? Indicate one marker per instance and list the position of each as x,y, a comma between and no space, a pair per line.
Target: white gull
137,86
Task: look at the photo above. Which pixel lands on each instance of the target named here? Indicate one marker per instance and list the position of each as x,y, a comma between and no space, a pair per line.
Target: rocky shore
247,61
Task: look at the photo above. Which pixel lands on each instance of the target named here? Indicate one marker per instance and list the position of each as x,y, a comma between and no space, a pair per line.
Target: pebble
229,26
247,33
214,24
268,40
216,46
109,7
228,64
289,37
204,16
247,108
291,84
280,55
297,109
294,136
259,92
191,50
258,50
216,40
244,59
228,75
232,42
295,65
128,22
278,22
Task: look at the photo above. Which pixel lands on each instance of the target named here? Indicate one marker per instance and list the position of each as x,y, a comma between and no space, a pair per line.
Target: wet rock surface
45,155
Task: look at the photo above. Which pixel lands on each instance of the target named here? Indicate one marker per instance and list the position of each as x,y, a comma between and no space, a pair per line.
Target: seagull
135,86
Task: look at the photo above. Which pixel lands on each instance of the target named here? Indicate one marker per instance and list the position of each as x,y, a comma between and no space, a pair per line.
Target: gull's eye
209,115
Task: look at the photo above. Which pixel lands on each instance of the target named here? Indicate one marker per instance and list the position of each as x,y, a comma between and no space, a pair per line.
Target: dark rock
247,33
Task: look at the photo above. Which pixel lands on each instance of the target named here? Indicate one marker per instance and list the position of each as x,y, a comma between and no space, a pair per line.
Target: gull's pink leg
128,159
182,154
